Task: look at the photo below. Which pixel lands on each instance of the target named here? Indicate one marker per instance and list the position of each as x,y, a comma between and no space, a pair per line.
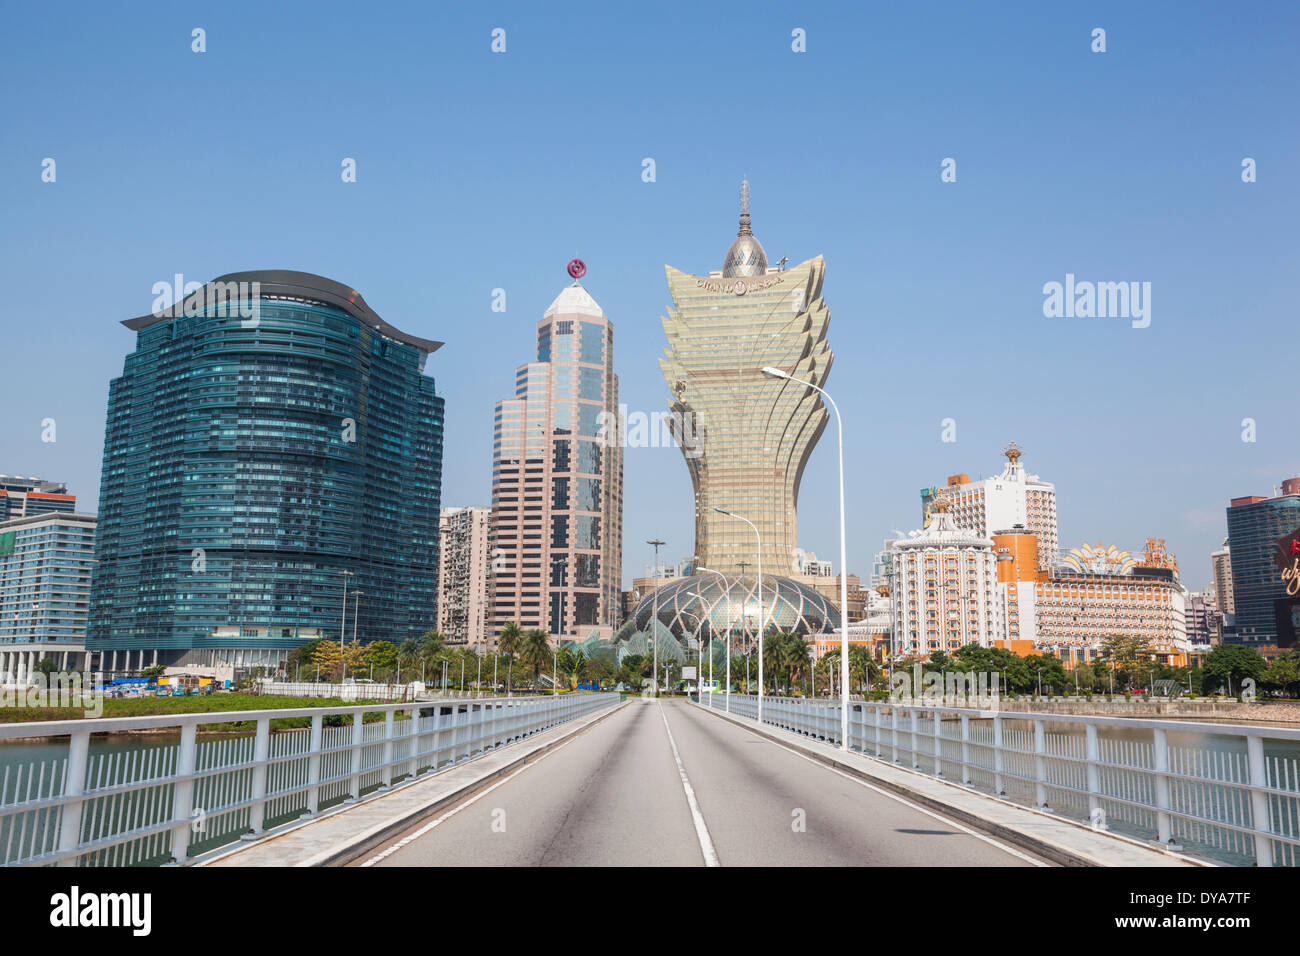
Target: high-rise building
1261,531
46,560
747,437
463,575
1204,622
557,480
1221,569
29,496
270,443
944,587
1011,498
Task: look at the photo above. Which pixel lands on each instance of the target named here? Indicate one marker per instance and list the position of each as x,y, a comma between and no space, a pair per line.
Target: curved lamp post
844,569
762,606
726,593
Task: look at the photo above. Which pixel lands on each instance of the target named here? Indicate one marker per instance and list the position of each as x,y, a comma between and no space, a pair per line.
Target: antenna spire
744,209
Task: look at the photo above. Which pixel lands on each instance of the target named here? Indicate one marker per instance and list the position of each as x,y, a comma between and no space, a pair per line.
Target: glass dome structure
701,607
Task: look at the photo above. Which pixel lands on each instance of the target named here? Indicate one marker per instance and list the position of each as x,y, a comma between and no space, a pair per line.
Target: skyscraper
557,480
463,575
271,442
1261,532
747,437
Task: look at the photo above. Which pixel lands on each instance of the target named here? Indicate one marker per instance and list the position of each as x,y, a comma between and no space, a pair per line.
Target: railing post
1092,753
879,731
1160,753
261,752
1259,799
965,750
893,733
313,765
937,717
354,781
390,727
914,743
998,789
1040,764
183,793
413,763
74,785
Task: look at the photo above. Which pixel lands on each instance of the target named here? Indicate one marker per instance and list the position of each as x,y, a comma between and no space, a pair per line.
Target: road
617,794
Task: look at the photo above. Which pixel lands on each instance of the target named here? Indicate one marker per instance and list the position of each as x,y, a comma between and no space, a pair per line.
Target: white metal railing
1227,792
154,803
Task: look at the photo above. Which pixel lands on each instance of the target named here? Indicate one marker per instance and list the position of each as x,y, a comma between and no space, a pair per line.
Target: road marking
405,841
903,800
701,829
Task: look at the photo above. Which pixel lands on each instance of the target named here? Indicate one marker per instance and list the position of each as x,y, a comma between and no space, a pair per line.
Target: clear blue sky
478,171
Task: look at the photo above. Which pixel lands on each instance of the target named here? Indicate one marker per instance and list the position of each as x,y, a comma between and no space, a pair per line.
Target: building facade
463,575
46,565
944,588
1012,498
557,480
271,445
1204,622
1221,571
29,496
1266,604
746,438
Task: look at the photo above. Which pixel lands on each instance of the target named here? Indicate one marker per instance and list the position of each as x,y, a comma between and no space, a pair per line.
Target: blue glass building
1267,615
269,433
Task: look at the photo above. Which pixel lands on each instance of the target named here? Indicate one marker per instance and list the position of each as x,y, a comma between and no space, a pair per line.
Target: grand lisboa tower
746,438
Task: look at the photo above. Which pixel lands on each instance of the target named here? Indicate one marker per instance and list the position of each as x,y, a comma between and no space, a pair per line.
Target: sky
478,170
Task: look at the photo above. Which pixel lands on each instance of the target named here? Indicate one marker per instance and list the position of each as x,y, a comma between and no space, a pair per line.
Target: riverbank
1275,712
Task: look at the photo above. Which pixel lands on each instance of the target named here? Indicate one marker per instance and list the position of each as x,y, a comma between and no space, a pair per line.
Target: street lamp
356,603
726,593
654,619
762,605
771,372
343,624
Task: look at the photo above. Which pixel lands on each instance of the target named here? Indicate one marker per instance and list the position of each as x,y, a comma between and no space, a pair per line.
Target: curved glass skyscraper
269,433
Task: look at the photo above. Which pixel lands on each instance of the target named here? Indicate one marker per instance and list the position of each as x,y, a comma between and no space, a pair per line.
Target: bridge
579,779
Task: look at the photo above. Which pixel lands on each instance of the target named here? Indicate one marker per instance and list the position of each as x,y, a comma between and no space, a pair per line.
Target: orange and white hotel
1097,592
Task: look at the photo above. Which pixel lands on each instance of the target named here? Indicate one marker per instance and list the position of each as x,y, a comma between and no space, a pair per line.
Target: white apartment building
464,568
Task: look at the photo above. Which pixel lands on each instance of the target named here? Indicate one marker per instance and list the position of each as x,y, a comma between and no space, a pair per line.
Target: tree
508,642
408,653
1229,664
381,655
328,657
535,651
1283,672
1126,655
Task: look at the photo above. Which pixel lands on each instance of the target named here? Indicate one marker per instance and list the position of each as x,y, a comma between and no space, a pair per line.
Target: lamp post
762,606
844,569
726,595
654,619
343,625
356,603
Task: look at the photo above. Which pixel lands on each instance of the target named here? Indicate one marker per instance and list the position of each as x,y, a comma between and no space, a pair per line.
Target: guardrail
169,801
1226,792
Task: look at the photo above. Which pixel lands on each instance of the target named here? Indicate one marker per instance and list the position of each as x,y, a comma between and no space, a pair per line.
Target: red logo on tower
577,268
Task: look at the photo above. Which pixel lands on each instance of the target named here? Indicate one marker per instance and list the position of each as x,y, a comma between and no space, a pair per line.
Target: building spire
744,209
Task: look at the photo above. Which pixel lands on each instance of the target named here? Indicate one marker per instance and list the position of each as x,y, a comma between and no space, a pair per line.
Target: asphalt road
615,794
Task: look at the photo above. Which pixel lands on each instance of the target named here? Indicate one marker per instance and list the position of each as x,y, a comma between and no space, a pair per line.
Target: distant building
806,563
1261,534
1204,622
1069,610
463,575
557,480
46,564
1221,568
1012,498
29,496
944,585
265,478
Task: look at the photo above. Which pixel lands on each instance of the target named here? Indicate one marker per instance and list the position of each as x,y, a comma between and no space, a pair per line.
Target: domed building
701,607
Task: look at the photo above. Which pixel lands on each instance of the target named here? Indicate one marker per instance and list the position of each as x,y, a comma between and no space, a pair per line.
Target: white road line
405,841
701,829
904,801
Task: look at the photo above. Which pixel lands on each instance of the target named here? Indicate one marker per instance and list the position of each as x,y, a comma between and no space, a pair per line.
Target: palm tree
796,656
577,665
535,651
508,641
